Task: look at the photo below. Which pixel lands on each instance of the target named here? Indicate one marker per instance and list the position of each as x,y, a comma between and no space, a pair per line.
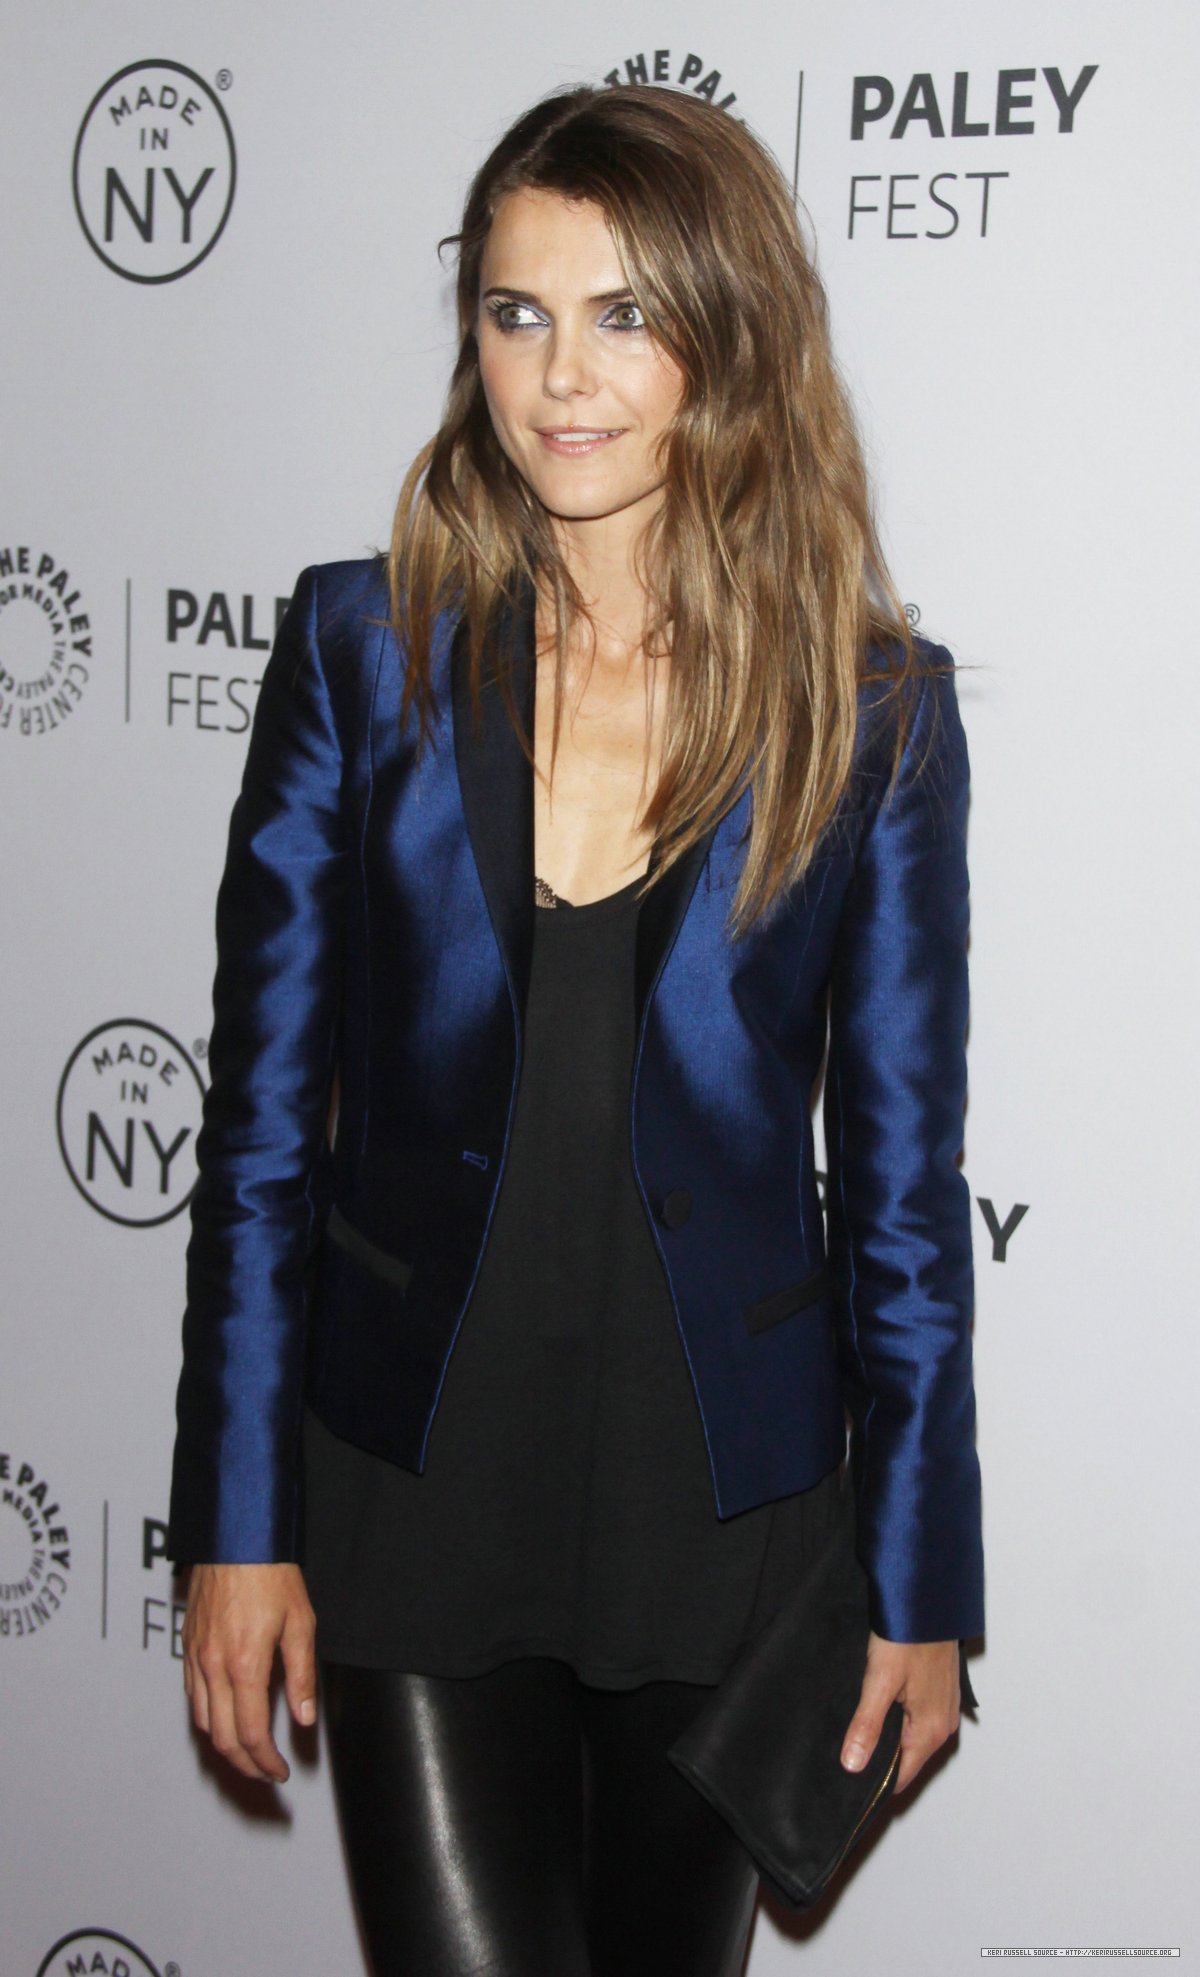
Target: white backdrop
177,449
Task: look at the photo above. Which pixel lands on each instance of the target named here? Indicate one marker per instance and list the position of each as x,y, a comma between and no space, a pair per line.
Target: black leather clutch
765,1748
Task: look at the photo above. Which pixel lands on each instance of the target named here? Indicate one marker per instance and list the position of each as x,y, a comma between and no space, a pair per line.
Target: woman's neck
588,840
600,557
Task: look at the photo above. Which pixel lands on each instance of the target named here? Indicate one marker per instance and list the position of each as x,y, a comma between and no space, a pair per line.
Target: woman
558,839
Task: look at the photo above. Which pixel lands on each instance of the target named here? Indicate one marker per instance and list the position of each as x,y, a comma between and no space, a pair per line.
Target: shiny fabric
378,914
520,1824
566,1508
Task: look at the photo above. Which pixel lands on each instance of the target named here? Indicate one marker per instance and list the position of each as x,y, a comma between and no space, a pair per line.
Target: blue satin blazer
376,916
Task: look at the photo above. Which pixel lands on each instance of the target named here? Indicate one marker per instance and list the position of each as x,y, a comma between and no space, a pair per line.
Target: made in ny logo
130,1103
155,170
102,1951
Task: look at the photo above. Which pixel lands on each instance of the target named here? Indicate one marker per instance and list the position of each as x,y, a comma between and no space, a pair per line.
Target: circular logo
154,171
45,642
96,1949
129,1109
674,69
35,1550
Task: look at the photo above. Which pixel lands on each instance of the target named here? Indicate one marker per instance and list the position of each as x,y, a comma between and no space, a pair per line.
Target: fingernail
853,1757
308,1711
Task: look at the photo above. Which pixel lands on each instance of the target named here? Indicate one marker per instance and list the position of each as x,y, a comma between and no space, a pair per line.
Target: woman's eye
628,310
506,315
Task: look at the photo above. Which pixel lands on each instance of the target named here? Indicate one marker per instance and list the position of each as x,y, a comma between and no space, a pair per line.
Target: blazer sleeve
276,996
898,1206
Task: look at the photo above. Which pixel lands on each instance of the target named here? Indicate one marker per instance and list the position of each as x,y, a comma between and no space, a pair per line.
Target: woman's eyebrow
524,295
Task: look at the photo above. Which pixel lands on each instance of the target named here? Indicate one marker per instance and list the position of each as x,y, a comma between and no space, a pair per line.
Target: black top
567,1504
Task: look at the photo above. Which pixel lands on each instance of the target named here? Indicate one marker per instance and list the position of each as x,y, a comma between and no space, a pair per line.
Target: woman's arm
234,1494
235,1480
899,1227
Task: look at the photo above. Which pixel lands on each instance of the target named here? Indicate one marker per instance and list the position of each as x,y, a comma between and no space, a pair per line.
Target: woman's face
579,393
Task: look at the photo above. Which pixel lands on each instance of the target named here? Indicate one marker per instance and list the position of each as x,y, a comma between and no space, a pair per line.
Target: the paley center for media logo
35,1549
155,170
45,641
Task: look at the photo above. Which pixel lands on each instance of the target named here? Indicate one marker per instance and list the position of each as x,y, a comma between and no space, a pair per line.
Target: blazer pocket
380,1262
781,1304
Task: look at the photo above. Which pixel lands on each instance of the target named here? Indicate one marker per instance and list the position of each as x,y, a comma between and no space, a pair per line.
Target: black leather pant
523,1824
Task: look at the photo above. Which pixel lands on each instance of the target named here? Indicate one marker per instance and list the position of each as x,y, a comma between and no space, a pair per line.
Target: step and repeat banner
226,333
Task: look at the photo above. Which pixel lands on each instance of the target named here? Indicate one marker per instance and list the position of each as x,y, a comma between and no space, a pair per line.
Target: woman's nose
568,367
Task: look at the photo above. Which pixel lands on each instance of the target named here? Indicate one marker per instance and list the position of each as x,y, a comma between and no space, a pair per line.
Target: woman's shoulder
883,665
351,596
340,625
916,705
349,588
890,691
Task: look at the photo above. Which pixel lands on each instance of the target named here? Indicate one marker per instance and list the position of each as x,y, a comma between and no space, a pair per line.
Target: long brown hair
763,568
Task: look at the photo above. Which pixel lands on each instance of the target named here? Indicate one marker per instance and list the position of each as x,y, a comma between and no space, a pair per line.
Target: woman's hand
923,1675
237,1615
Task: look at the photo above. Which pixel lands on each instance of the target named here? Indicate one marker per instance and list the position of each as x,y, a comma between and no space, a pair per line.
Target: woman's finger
252,1720
915,1751
926,1728
862,1735
225,1735
201,1714
298,1648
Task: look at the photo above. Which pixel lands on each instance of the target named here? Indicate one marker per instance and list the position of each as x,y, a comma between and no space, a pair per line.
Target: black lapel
661,913
497,783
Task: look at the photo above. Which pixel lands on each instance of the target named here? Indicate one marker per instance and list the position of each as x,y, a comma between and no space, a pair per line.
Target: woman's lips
584,439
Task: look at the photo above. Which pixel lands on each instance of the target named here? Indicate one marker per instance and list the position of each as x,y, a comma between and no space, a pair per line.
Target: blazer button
676,1208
